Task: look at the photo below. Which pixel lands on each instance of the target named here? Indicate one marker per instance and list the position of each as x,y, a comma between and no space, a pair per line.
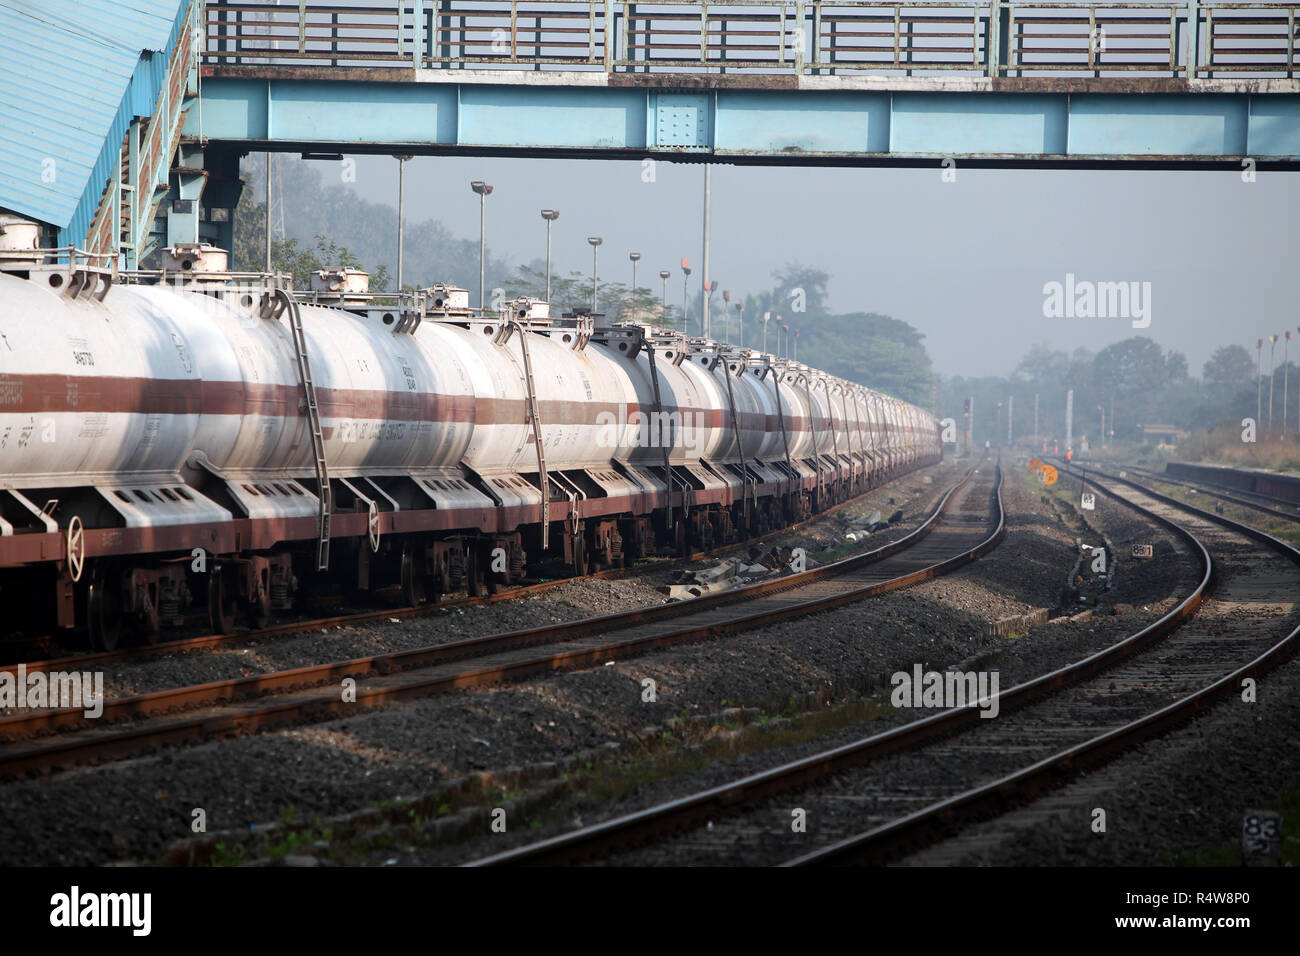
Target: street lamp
706,326
786,329
1259,380
1286,374
740,320
483,190
595,262
550,215
401,208
767,317
1272,374
795,353
634,256
686,277
726,316
665,275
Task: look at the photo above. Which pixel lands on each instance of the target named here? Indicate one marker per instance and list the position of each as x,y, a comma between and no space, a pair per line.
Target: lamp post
665,274
1286,375
401,210
709,287
595,263
483,190
686,278
767,317
1102,409
268,211
1259,380
550,215
795,354
726,314
704,316
782,327
740,321
1272,370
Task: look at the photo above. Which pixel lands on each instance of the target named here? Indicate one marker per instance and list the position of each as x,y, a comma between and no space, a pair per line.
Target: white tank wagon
196,440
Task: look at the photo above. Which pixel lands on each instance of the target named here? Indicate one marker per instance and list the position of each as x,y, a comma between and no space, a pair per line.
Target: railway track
207,641
967,522
1255,502
880,797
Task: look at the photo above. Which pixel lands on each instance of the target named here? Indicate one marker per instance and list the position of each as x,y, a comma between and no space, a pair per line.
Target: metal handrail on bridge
996,38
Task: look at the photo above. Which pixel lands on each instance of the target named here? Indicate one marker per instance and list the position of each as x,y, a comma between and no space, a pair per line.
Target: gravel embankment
838,656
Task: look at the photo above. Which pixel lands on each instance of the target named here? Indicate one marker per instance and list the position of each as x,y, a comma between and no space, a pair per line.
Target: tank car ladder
535,420
317,437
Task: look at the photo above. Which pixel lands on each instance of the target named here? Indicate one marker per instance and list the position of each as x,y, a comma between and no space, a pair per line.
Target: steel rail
1207,488
674,815
79,661
1050,772
587,841
256,714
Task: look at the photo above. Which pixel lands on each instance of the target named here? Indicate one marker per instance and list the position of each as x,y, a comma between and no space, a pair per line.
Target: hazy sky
964,262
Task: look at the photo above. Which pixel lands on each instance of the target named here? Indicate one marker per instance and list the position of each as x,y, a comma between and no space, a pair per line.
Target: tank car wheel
413,582
103,611
223,602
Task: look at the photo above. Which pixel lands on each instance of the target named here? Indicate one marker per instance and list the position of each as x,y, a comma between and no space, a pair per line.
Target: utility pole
708,184
1011,407
550,215
1286,374
268,212
1272,374
664,274
1259,381
686,278
401,212
1069,420
971,430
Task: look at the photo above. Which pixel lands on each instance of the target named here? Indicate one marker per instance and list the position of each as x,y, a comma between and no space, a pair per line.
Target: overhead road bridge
1175,84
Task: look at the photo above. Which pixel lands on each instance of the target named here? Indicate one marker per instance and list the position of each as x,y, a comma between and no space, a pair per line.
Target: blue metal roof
72,74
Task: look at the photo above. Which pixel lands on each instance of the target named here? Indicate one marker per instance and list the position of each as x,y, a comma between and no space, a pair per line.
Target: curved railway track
1254,502
966,523
882,796
207,641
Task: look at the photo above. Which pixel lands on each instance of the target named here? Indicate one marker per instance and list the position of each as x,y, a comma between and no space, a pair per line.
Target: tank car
198,441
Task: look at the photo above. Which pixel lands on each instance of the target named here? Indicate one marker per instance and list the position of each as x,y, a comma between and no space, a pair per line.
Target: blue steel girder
824,120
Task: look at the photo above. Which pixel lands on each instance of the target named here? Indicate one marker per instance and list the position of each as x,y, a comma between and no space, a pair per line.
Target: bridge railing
1199,38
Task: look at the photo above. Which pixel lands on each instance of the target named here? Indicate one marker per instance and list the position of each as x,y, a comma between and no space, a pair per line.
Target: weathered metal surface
76,73
814,37
1035,125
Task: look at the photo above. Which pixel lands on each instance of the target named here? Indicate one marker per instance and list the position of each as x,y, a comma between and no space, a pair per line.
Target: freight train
194,438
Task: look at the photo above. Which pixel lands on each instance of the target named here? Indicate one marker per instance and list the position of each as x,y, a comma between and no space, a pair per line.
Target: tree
800,289
875,350
1228,369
